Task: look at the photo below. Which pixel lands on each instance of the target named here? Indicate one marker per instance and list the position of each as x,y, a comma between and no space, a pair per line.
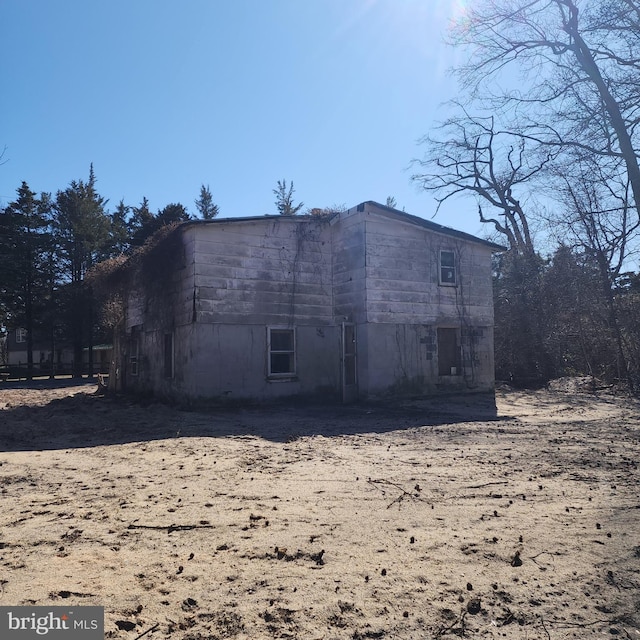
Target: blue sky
163,96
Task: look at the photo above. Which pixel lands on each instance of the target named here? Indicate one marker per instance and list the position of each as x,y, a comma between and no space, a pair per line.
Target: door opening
349,363
448,352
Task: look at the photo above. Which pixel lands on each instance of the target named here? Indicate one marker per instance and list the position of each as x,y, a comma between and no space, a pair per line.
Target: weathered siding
369,266
229,362
262,272
402,263
349,268
402,359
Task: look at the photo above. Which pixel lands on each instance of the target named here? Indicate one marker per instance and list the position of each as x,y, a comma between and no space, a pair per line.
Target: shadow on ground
85,419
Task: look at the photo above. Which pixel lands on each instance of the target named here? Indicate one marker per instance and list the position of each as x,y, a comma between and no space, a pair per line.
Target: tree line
544,137
47,246
49,243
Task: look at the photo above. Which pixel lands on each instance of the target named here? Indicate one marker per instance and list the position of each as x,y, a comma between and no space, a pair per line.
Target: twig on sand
485,484
551,553
453,628
565,624
414,495
544,628
149,630
170,528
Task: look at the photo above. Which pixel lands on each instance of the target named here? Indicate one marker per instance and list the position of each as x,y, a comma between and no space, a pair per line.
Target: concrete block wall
374,269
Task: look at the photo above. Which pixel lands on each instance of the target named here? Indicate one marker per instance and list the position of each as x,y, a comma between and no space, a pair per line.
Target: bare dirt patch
430,519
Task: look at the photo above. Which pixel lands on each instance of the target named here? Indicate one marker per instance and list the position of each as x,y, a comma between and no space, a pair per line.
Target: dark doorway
448,352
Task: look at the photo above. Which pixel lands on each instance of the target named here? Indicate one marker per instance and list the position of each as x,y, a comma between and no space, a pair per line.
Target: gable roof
401,216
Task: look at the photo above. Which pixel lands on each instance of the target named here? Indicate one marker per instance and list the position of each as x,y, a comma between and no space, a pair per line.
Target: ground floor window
448,352
168,355
281,352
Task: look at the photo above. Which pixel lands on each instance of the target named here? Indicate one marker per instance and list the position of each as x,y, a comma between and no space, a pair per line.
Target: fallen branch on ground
565,624
550,553
155,626
414,495
485,484
170,528
457,628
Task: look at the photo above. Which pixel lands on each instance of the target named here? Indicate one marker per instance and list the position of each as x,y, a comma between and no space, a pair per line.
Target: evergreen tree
82,229
119,238
174,212
284,199
24,239
144,224
207,208
140,223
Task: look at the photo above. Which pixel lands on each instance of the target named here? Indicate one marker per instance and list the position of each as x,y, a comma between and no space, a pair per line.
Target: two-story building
367,302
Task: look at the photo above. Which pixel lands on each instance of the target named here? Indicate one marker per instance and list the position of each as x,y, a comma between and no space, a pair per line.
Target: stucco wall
405,304
237,280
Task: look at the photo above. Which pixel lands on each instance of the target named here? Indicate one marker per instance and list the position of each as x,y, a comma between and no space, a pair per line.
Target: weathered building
367,302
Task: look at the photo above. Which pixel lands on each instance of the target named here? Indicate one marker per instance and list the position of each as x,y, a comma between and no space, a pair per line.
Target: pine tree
284,199
82,229
25,237
144,223
140,223
119,230
207,208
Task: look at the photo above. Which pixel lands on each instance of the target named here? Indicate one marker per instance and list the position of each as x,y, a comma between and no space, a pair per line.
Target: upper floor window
448,275
281,352
21,335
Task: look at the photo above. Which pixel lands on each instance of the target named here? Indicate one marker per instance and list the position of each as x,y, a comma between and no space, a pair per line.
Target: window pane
447,259
448,275
281,363
281,340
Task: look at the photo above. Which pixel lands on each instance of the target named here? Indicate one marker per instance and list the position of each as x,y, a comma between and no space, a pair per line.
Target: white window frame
453,268
21,335
292,352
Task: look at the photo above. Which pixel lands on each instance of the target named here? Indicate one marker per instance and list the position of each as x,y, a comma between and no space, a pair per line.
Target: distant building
61,357
42,354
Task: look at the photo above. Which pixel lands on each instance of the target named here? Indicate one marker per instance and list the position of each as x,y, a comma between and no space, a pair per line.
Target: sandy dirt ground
518,518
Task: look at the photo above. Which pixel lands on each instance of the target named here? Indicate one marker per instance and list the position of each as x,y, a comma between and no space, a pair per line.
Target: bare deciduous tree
575,63
473,157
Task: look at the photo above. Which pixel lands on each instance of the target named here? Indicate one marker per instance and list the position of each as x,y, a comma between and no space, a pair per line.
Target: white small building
364,303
